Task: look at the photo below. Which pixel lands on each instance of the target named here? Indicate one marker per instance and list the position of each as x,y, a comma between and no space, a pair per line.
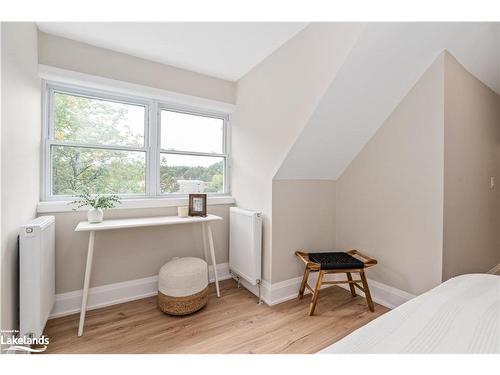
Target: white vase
95,215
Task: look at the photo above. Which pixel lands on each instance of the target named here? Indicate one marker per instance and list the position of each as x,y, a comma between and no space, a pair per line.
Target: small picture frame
197,205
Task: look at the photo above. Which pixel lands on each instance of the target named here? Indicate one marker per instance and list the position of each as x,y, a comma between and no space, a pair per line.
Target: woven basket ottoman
183,286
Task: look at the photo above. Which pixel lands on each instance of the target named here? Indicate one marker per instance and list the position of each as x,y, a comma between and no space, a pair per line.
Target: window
192,153
130,146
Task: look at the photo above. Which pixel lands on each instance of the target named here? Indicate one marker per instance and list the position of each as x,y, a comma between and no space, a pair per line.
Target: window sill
63,206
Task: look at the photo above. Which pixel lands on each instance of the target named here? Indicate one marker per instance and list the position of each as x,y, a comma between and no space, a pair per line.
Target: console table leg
86,283
212,254
204,239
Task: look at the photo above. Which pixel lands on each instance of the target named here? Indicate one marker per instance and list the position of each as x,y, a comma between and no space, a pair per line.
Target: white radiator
245,244
36,274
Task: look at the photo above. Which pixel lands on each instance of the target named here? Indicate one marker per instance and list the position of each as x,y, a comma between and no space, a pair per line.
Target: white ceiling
223,50
383,65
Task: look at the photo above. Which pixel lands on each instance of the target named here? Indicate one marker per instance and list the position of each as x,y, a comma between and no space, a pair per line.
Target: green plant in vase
96,202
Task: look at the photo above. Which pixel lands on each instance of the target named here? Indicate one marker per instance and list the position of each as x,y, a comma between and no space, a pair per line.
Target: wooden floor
233,323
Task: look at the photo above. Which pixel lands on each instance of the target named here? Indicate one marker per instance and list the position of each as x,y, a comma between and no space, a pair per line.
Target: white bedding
462,315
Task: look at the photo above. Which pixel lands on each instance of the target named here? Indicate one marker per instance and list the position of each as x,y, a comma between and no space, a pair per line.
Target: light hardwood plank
233,323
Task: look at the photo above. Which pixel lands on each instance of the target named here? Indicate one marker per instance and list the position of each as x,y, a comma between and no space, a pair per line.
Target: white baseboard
272,294
385,295
265,290
495,270
112,294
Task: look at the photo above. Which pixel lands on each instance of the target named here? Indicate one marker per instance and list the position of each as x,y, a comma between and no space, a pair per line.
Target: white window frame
224,154
152,138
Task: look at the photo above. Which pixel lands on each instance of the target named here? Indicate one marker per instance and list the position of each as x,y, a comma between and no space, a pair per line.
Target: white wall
471,158
83,58
390,198
304,213
417,197
135,253
274,102
386,61
20,149
1,237
130,254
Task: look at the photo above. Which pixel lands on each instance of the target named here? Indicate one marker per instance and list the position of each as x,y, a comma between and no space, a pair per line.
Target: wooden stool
335,262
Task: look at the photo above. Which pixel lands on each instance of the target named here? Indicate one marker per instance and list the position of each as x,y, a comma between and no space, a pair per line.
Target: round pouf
183,286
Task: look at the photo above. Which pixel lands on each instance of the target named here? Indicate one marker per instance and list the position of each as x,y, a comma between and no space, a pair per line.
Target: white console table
85,226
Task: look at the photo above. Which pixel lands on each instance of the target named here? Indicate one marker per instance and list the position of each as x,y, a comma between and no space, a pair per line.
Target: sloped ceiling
226,50
384,64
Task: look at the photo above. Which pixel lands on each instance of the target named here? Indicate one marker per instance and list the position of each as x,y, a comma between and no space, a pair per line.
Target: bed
462,315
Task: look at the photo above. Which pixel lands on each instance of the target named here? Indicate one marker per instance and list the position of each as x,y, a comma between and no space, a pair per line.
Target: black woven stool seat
323,264
336,261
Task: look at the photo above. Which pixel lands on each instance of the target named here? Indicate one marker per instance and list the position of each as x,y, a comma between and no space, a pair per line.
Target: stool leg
367,292
303,284
315,296
351,286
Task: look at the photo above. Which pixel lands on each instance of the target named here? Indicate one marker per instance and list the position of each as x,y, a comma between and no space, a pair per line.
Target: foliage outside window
191,149
114,146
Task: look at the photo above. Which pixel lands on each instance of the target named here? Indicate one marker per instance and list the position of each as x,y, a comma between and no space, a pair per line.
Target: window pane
191,174
102,171
184,132
85,120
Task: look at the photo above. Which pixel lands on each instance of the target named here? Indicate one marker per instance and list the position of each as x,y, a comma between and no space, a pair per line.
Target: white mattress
462,315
